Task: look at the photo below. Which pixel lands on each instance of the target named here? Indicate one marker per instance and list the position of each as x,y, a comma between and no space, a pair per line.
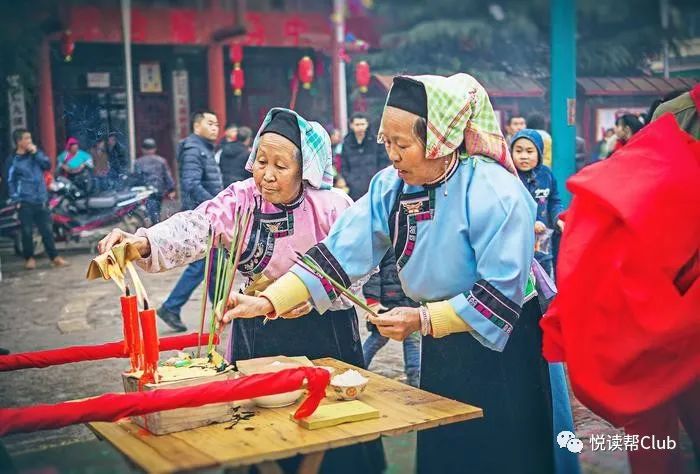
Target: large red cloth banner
113,406
626,317
66,355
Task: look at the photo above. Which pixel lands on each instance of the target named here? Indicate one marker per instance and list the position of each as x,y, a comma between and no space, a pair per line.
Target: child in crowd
527,150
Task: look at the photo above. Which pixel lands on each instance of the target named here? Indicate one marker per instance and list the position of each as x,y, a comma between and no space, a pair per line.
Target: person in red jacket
633,355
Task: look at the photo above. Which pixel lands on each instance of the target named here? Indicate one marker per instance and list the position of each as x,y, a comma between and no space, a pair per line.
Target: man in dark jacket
233,156
362,157
152,170
200,177
383,292
28,189
200,180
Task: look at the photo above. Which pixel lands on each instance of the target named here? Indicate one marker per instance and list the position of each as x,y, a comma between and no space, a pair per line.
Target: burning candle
132,336
150,345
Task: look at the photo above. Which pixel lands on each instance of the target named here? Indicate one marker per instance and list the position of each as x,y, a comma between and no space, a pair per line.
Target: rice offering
349,378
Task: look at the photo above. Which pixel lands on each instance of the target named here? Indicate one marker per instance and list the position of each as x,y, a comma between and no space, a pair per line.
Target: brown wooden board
180,419
271,435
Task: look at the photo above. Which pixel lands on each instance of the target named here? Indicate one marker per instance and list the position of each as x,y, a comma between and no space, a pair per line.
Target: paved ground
49,308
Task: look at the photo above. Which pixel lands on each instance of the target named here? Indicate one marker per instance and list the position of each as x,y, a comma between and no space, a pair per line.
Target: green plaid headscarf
317,163
459,110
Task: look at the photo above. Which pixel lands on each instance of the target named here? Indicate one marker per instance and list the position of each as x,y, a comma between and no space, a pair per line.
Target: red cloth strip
66,355
113,406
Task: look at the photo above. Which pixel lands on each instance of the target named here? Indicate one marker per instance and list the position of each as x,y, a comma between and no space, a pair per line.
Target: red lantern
237,80
67,45
362,76
306,72
236,54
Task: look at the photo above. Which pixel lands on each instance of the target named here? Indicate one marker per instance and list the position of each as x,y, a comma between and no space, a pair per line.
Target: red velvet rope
109,350
113,406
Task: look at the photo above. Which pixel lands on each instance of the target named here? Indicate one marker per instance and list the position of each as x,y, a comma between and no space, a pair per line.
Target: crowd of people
474,321
421,217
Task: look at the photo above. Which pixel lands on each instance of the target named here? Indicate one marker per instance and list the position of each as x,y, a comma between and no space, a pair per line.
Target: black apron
512,387
334,334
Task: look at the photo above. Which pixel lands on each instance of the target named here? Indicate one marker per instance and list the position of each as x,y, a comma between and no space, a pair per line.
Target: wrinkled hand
118,236
244,306
377,308
298,311
539,227
398,323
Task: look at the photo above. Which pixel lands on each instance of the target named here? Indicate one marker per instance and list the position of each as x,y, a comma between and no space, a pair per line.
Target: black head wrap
409,95
285,124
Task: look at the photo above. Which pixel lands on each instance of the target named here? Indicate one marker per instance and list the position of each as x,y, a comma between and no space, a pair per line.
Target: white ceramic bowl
348,392
281,399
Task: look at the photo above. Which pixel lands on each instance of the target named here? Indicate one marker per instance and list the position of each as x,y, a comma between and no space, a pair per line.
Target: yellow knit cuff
286,293
444,320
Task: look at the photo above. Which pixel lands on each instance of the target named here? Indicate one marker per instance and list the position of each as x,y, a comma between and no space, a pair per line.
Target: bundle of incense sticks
225,272
310,265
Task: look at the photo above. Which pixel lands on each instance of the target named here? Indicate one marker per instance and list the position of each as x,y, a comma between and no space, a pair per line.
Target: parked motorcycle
78,215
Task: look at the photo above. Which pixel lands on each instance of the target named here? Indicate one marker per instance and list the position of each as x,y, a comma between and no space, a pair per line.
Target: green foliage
614,37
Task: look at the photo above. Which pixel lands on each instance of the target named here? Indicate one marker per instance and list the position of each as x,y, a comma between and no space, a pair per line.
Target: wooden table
271,434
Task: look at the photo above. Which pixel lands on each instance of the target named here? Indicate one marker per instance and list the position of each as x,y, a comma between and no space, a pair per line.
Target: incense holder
182,372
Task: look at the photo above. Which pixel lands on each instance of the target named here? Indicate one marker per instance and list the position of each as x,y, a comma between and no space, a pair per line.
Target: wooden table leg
311,463
269,467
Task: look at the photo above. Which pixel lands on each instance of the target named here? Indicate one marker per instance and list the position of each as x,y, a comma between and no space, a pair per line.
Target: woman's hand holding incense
244,306
299,311
377,308
398,323
118,236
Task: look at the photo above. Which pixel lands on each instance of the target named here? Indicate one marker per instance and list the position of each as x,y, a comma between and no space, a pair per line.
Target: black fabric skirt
334,334
512,387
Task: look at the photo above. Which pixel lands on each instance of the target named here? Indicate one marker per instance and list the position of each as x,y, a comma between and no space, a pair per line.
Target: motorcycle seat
97,202
124,195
